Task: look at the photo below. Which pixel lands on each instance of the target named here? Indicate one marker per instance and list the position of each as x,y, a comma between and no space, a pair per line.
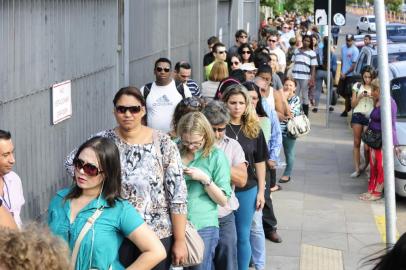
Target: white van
398,93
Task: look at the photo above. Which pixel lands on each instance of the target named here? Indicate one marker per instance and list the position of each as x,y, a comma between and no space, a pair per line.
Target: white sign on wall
61,102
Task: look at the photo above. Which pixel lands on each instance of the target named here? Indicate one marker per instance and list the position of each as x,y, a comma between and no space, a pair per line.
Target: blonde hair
33,248
250,122
218,72
375,84
197,123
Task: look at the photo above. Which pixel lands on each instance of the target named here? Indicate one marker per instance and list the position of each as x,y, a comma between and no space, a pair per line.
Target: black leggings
128,253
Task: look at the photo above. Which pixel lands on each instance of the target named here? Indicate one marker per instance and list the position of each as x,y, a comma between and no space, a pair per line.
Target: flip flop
277,189
284,180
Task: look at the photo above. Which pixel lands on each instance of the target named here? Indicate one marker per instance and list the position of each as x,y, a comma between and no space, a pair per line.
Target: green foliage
303,6
393,5
270,3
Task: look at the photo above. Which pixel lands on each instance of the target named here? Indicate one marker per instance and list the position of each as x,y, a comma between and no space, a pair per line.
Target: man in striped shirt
304,71
183,71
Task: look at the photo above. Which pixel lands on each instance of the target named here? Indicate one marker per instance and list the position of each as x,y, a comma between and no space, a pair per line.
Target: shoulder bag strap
89,223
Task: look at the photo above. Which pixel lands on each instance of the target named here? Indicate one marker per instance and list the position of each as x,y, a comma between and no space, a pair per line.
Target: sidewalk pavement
322,222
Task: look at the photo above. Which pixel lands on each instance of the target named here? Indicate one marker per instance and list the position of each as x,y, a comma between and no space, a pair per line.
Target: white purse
298,126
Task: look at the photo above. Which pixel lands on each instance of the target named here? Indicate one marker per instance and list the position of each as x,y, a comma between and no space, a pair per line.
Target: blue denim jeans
210,236
321,75
289,150
226,250
243,221
257,240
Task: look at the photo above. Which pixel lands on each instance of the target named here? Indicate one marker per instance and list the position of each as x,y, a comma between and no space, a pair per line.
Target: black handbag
372,138
334,98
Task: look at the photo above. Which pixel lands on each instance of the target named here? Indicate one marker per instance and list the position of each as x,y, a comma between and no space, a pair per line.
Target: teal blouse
202,210
110,228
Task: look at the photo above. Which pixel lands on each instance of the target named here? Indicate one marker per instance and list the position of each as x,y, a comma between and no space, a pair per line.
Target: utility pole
386,123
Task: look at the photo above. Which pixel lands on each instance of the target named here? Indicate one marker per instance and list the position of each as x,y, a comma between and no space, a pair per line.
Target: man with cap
349,55
249,71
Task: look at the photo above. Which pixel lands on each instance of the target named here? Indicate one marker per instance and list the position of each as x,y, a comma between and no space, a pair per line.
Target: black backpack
179,87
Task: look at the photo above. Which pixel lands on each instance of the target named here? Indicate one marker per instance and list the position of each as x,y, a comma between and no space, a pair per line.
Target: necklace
236,134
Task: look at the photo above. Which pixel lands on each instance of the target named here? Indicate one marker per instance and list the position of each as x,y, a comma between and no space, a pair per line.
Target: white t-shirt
161,102
281,56
13,198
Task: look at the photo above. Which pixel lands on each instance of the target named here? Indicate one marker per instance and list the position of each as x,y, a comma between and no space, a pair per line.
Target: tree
393,5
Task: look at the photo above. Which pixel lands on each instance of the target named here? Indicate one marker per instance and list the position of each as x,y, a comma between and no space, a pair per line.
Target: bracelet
206,184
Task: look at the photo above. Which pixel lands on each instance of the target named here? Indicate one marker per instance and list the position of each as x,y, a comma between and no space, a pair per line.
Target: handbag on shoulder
372,138
298,126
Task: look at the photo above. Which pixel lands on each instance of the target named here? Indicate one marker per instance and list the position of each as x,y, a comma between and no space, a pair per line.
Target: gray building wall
99,45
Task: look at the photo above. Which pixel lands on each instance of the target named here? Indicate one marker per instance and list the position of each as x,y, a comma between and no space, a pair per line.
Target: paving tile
323,221
290,246
282,263
364,243
332,240
319,258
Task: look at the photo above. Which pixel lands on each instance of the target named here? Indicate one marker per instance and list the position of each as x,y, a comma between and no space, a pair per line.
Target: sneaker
344,114
331,109
355,174
314,110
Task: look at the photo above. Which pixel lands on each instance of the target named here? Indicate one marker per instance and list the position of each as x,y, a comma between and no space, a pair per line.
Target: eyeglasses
160,69
193,144
192,102
245,52
286,27
88,168
243,36
132,109
219,129
221,52
235,63
272,40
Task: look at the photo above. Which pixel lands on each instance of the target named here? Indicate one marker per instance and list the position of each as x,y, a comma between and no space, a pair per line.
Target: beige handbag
194,245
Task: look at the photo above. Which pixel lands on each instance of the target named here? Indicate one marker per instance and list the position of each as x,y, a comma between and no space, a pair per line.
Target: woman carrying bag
375,183
92,218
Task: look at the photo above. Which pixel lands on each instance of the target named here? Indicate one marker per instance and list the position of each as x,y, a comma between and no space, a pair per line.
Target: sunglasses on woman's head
132,109
192,102
89,169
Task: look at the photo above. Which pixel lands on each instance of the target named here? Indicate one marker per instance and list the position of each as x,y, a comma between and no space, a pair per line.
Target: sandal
374,197
365,196
282,181
276,188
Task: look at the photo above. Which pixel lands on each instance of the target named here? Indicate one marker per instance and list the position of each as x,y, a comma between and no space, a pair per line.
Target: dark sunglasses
160,69
89,169
271,40
235,63
243,36
221,52
132,109
219,129
245,52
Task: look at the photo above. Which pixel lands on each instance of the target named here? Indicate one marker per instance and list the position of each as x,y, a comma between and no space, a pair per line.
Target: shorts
360,119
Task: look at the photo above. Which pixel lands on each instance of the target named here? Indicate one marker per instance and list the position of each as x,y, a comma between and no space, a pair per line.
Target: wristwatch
208,183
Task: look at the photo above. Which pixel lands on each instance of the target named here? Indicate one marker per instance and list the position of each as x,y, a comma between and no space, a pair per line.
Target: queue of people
202,157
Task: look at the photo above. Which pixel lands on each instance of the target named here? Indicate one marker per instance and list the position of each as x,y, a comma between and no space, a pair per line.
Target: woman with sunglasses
234,61
96,189
218,116
217,74
246,53
207,175
244,127
152,177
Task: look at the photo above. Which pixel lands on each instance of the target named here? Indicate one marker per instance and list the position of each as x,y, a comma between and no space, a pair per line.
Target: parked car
366,24
396,32
398,92
369,57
